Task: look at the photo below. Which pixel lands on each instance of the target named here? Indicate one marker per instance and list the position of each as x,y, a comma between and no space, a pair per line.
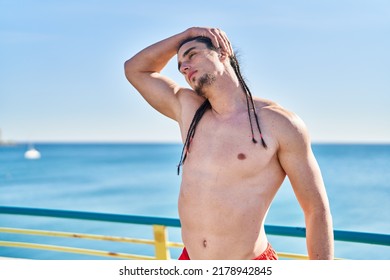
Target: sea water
141,179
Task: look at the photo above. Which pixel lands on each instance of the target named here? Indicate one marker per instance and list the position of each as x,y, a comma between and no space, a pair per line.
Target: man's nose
184,68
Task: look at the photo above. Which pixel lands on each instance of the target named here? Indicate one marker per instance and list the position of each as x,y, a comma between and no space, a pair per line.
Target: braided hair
206,105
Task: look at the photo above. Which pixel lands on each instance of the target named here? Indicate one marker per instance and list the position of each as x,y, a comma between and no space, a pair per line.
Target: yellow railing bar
74,250
292,256
77,235
171,244
161,243
161,239
296,256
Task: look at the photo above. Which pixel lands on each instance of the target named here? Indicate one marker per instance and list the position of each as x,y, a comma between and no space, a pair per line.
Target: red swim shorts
268,254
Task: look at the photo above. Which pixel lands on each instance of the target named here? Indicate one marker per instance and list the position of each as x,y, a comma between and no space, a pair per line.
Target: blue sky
62,79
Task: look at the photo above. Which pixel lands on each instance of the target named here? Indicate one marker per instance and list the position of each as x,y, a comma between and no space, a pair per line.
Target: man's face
198,64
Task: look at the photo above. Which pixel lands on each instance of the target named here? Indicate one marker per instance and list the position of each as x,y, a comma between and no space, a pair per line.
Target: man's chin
199,91
202,83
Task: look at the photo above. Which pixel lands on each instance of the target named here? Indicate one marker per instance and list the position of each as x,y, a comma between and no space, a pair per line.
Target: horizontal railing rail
159,224
91,216
339,235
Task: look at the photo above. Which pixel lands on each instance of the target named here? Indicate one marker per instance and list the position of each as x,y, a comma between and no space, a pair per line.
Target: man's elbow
132,72
129,69
320,212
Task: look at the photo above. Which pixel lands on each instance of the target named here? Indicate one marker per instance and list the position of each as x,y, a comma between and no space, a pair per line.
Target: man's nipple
241,156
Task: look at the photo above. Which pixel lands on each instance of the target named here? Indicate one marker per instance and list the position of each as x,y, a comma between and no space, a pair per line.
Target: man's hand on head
217,36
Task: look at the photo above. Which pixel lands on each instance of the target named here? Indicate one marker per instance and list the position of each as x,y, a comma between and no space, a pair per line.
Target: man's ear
222,56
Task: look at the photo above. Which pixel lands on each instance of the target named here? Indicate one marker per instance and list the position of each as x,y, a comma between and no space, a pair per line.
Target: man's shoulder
188,95
271,109
286,125
189,102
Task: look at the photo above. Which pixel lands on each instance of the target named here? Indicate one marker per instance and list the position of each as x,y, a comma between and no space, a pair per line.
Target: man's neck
226,97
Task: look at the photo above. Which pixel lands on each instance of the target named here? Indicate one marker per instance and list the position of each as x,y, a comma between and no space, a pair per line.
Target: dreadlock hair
206,104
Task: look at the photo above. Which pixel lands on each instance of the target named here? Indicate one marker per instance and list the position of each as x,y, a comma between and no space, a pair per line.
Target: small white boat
32,153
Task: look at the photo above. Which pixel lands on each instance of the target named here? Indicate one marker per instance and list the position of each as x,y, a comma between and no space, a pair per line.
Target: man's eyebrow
184,55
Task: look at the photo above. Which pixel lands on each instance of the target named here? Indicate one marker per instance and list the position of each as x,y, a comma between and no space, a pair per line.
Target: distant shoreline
8,143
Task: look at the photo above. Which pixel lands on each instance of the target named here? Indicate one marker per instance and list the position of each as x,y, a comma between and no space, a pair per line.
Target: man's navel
204,243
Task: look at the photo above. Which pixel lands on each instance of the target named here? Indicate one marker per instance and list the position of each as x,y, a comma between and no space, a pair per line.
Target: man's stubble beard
204,81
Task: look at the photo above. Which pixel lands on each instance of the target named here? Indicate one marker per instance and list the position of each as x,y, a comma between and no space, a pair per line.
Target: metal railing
159,225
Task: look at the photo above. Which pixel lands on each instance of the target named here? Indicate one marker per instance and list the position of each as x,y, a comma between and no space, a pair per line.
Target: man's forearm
319,237
155,57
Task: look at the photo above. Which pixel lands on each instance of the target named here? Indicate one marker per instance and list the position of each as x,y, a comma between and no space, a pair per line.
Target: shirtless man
239,156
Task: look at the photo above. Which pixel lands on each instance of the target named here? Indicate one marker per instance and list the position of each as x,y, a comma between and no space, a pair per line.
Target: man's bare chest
226,144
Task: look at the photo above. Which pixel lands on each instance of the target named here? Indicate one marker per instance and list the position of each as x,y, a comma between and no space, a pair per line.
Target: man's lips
191,74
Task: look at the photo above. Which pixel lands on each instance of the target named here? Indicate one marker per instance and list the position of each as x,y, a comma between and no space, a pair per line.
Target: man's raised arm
143,70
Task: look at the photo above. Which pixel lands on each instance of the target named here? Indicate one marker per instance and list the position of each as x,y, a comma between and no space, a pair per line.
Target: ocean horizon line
159,142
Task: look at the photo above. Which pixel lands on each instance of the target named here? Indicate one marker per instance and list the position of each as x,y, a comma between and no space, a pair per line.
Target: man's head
200,62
